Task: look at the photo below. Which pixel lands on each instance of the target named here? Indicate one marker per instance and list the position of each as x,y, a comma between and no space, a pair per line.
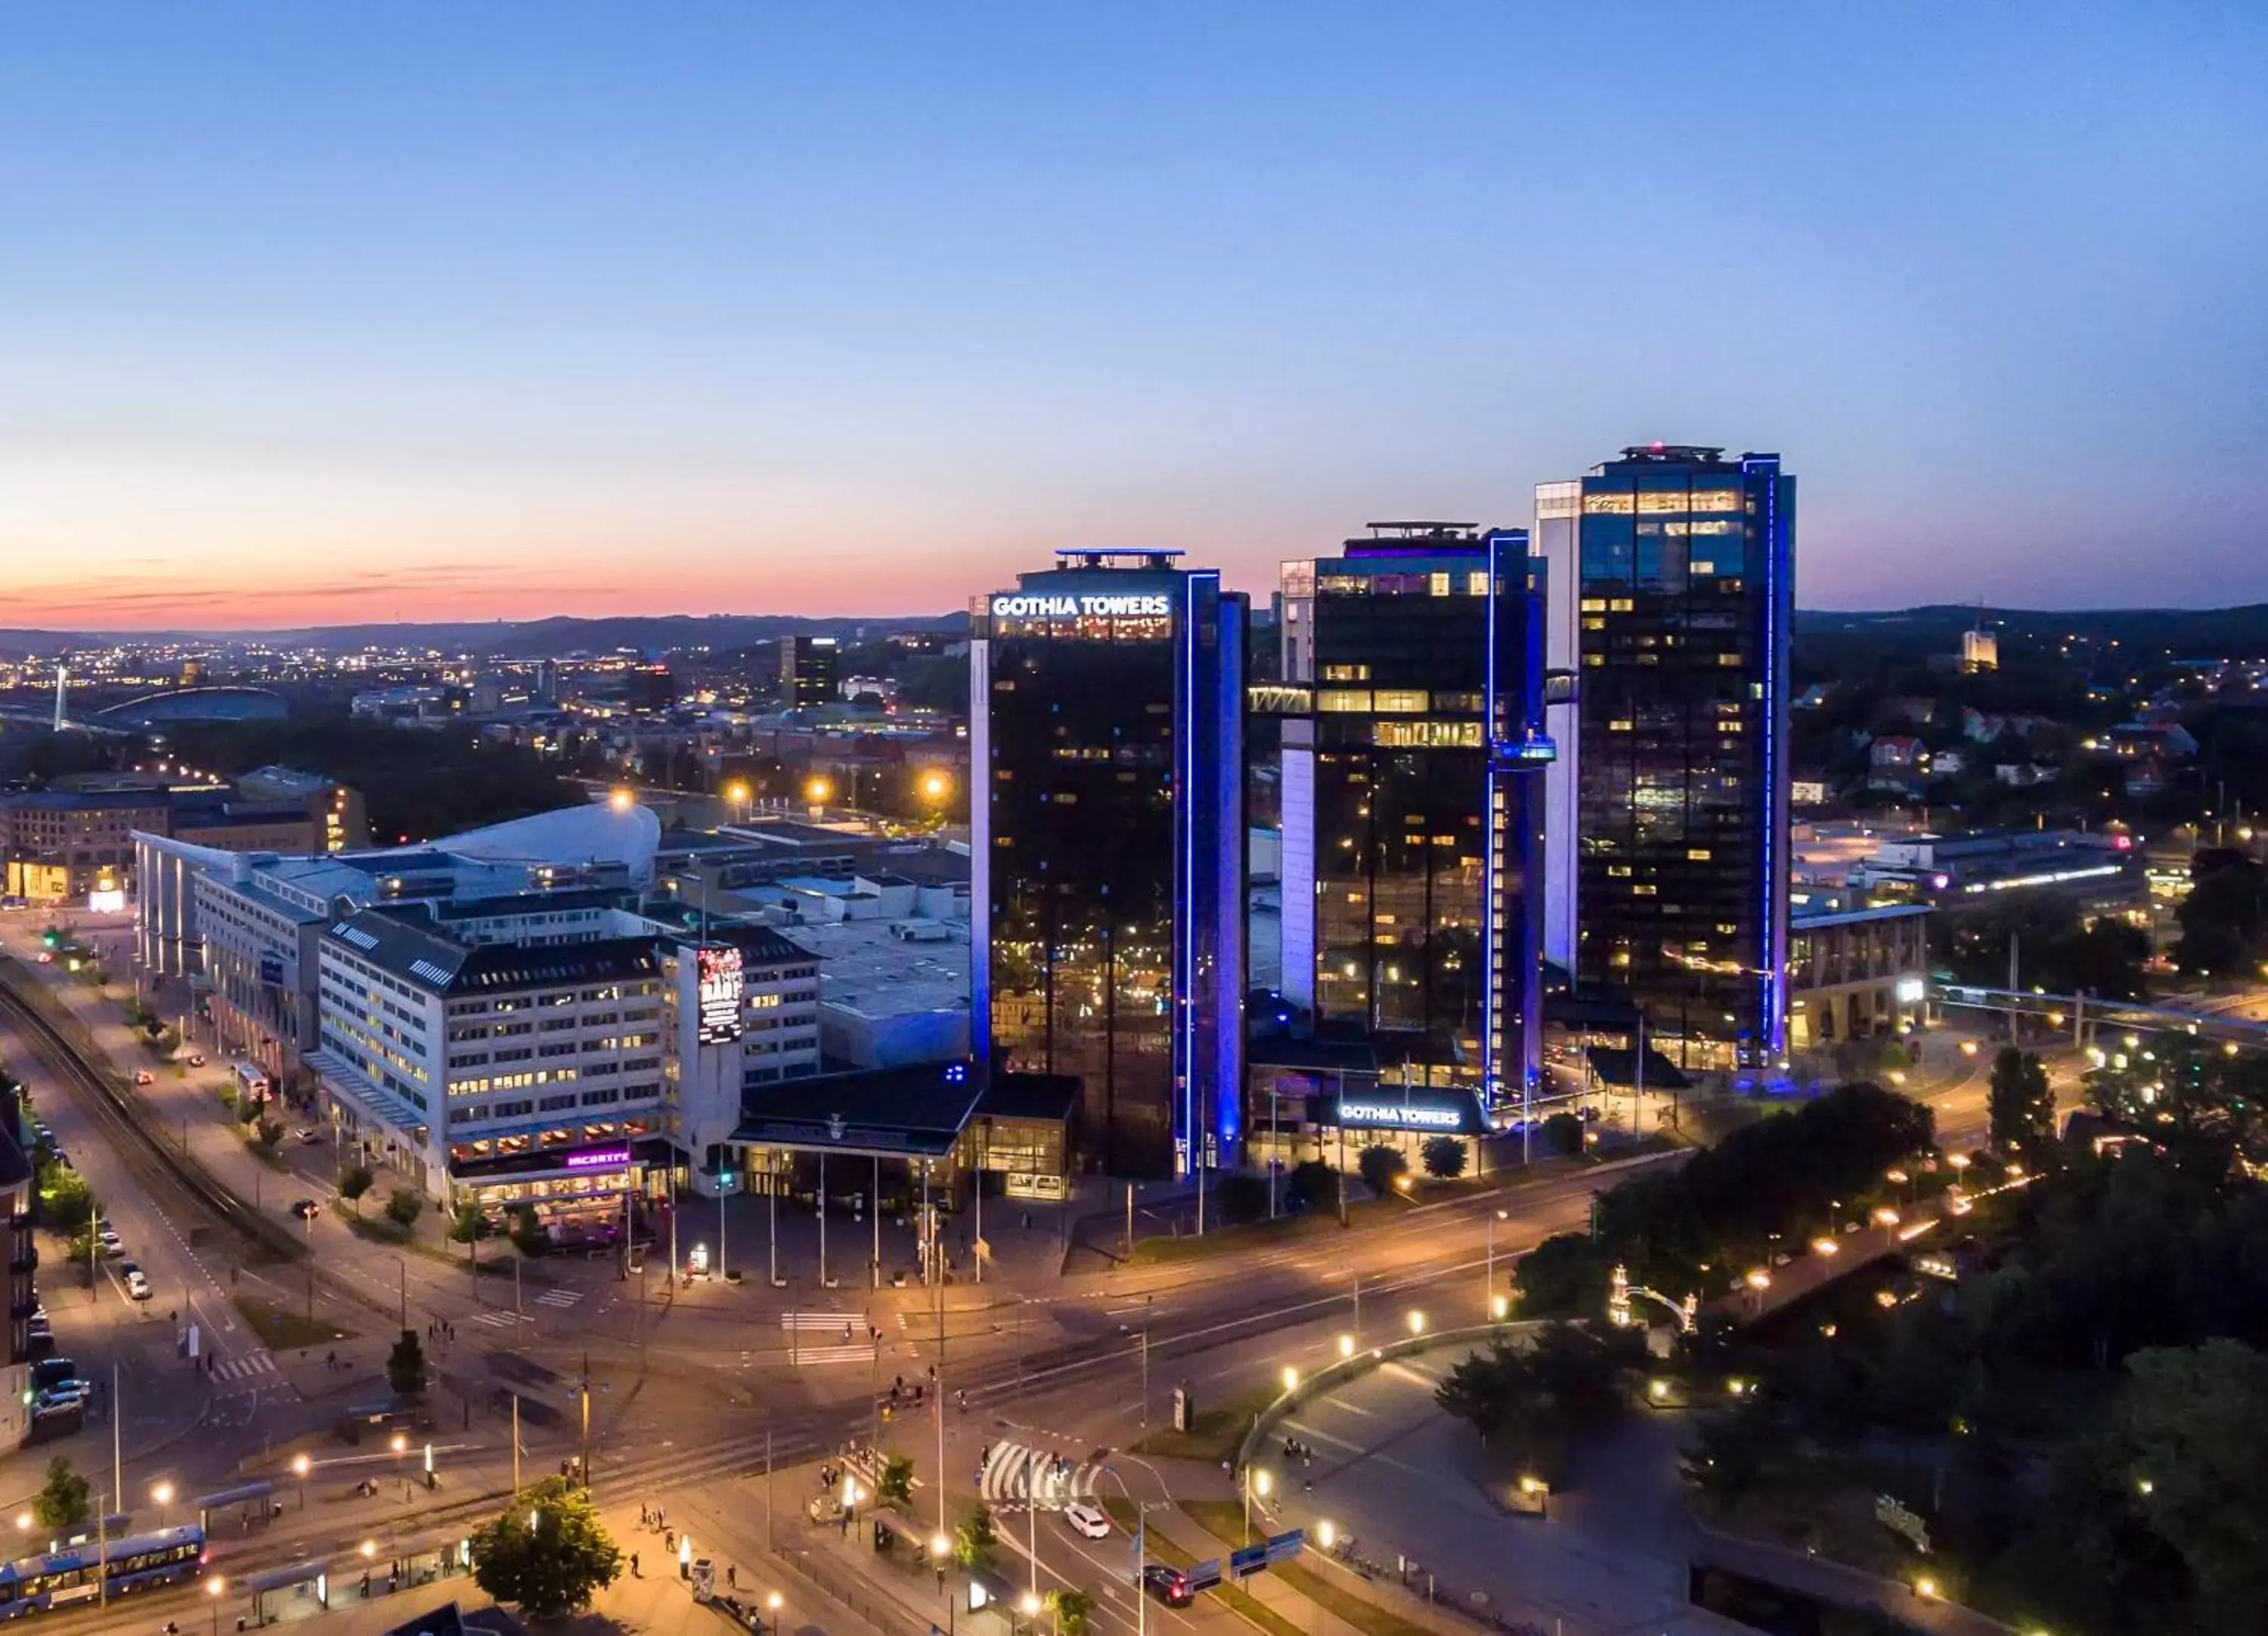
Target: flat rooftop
865,969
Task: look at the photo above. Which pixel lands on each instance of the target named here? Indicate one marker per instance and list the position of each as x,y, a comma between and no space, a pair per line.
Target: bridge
2085,1015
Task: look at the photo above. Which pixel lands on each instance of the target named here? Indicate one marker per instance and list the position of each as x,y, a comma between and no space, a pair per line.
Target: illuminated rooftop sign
1014,605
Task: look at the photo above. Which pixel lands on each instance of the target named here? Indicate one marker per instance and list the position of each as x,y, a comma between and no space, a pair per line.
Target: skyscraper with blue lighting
1683,588
1107,750
1412,774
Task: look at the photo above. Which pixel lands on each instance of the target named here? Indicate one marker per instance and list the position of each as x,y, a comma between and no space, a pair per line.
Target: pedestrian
642,1514
731,1576
634,1565
669,1539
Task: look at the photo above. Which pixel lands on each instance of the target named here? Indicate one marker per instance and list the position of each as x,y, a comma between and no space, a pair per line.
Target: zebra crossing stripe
834,1354
1018,1474
496,1320
245,1368
559,1297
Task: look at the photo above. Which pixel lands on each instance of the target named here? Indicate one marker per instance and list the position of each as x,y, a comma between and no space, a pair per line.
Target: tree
2181,1087
1241,1198
405,1366
975,1540
405,1205
1563,1277
470,1225
896,1487
271,1133
1563,1134
529,1236
66,1500
66,1195
1444,1157
1529,1402
2224,919
354,1181
1380,1166
1073,1611
547,1552
2019,1104
1314,1185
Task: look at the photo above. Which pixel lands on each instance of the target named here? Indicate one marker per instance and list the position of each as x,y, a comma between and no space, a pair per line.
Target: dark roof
916,1111
1029,1096
14,1167
402,938
1616,1068
759,945
501,966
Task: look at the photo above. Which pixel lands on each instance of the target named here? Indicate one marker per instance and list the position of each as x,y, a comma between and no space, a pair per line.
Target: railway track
160,1170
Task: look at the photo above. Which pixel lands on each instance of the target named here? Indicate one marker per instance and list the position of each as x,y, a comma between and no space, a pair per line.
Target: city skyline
411,314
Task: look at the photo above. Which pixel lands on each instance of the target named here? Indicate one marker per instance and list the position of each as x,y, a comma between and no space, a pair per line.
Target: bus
253,1084
80,1571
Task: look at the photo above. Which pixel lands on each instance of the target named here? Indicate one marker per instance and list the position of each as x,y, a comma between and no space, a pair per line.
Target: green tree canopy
1379,1166
2020,1105
67,1499
548,1553
975,1541
405,1205
1444,1157
897,1487
354,1181
405,1366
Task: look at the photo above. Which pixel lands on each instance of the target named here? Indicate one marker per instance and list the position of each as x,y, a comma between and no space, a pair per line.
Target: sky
423,310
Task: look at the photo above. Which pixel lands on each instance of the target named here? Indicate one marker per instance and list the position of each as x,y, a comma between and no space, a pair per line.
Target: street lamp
163,1494
1254,1482
1416,1323
1326,1534
301,1466
817,791
214,1585
1346,1345
621,801
1291,1378
1488,1278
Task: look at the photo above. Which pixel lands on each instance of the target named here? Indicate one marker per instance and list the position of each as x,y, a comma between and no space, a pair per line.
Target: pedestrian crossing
252,1366
1017,1474
858,1343
560,1297
498,1320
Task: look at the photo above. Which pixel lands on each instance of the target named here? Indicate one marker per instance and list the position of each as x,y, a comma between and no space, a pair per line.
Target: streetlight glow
163,1493
817,791
1346,1345
1416,1323
301,1465
1325,1535
621,801
1291,1378
1261,1483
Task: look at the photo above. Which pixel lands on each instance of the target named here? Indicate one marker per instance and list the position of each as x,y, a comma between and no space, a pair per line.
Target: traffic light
51,938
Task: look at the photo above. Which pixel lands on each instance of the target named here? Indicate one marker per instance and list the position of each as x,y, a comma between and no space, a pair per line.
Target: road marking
1020,1475
245,1368
833,1354
497,1319
559,1297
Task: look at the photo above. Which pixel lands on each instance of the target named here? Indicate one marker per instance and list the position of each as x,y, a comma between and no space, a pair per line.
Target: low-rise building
1857,974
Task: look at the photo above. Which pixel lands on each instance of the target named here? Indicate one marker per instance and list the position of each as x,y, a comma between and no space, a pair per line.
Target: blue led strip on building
1229,954
1773,1022
1185,684
1490,838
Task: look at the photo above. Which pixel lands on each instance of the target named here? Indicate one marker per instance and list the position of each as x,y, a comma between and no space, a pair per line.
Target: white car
1088,1520
138,1285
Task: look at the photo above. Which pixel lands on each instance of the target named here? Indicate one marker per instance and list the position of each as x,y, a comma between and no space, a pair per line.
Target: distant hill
530,638
2175,632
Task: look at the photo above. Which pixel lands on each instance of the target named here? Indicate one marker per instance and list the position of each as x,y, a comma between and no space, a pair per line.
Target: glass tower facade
1106,715
1686,595
1411,795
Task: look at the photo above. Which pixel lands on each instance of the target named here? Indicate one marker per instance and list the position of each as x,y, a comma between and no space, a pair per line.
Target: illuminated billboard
719,997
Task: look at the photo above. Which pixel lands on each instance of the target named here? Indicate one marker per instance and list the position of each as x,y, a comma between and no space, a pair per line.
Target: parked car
311,1135
143,1076
306,1209
137,1286
195,1060
1087,1519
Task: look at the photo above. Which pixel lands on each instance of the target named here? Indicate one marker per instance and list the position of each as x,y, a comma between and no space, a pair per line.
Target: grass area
1233,1241
281,1330
1218,1432
1235,1601
379,1229
1224,1520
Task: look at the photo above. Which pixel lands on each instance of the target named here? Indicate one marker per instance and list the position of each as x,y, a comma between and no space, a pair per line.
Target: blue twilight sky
333,312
